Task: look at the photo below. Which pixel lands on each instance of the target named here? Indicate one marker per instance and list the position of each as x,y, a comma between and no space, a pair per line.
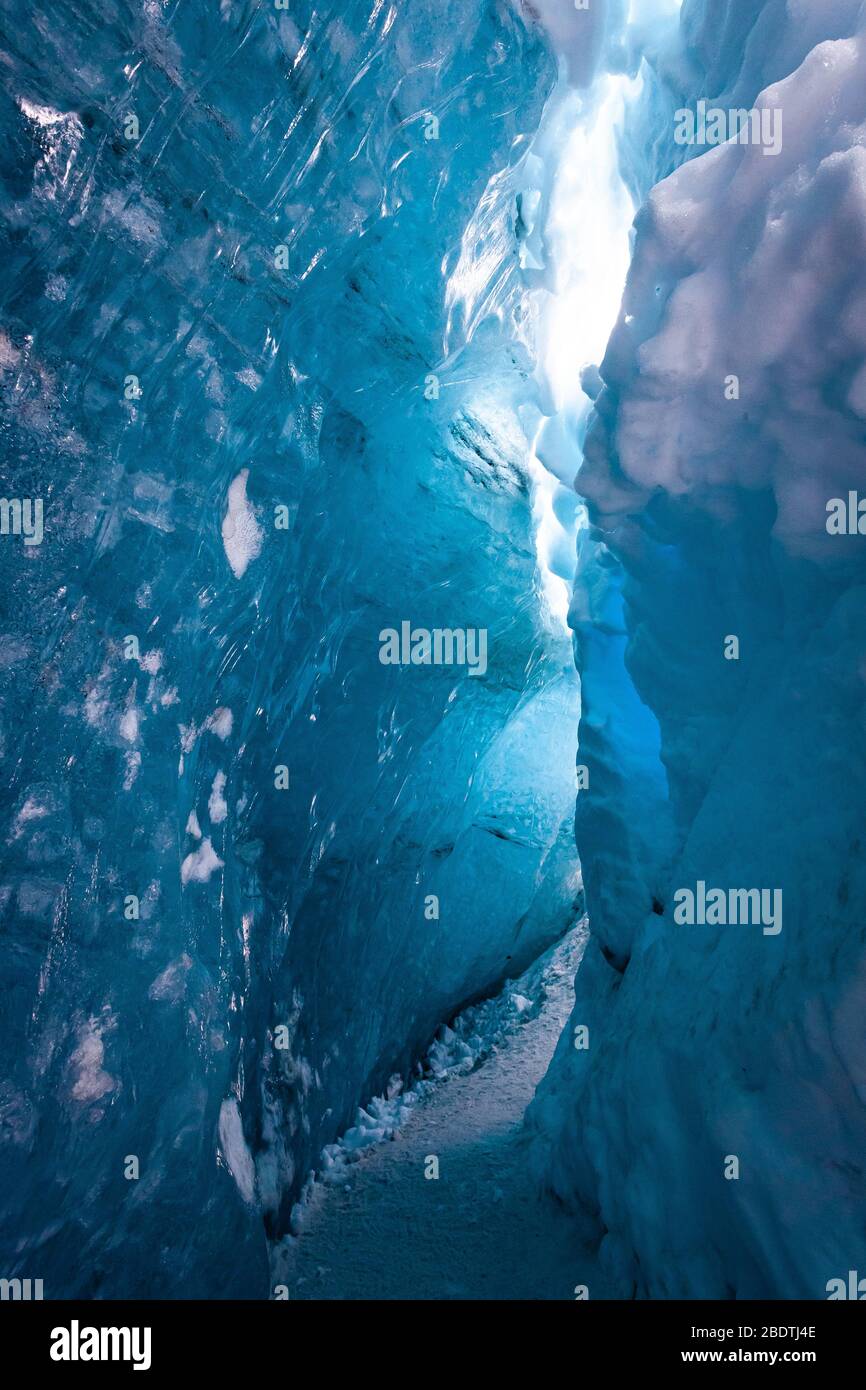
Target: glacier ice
232,259
304,342
731,415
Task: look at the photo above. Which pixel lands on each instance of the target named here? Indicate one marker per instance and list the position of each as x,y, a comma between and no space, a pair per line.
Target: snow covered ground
380,1229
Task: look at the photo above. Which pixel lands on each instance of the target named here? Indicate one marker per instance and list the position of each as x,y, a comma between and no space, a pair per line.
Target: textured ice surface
273,285
232,257
709,513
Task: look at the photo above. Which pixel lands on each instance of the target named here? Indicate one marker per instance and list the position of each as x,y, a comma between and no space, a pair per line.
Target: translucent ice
248,869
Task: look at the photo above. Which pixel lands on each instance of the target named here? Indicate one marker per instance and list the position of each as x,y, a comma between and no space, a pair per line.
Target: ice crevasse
268,354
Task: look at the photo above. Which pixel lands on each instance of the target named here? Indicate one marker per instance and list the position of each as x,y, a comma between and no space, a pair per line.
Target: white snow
198,866
171,984
34,808
92,1081
241,533
456,1051
220,722
216,806
129,724
381,1229
235,1151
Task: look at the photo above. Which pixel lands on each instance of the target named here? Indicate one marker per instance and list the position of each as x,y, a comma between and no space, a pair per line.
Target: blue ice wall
227,236
712,1130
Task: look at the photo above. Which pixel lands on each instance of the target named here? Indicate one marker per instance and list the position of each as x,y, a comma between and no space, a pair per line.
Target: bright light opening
587,248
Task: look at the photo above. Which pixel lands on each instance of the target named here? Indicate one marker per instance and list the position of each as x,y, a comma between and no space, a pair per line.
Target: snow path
479,1231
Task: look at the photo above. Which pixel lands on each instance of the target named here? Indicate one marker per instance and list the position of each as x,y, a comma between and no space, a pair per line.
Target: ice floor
481,1229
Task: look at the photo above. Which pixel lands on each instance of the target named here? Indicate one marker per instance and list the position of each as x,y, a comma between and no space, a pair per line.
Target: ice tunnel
432,625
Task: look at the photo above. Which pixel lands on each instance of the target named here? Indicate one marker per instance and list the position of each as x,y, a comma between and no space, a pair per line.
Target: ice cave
432,680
